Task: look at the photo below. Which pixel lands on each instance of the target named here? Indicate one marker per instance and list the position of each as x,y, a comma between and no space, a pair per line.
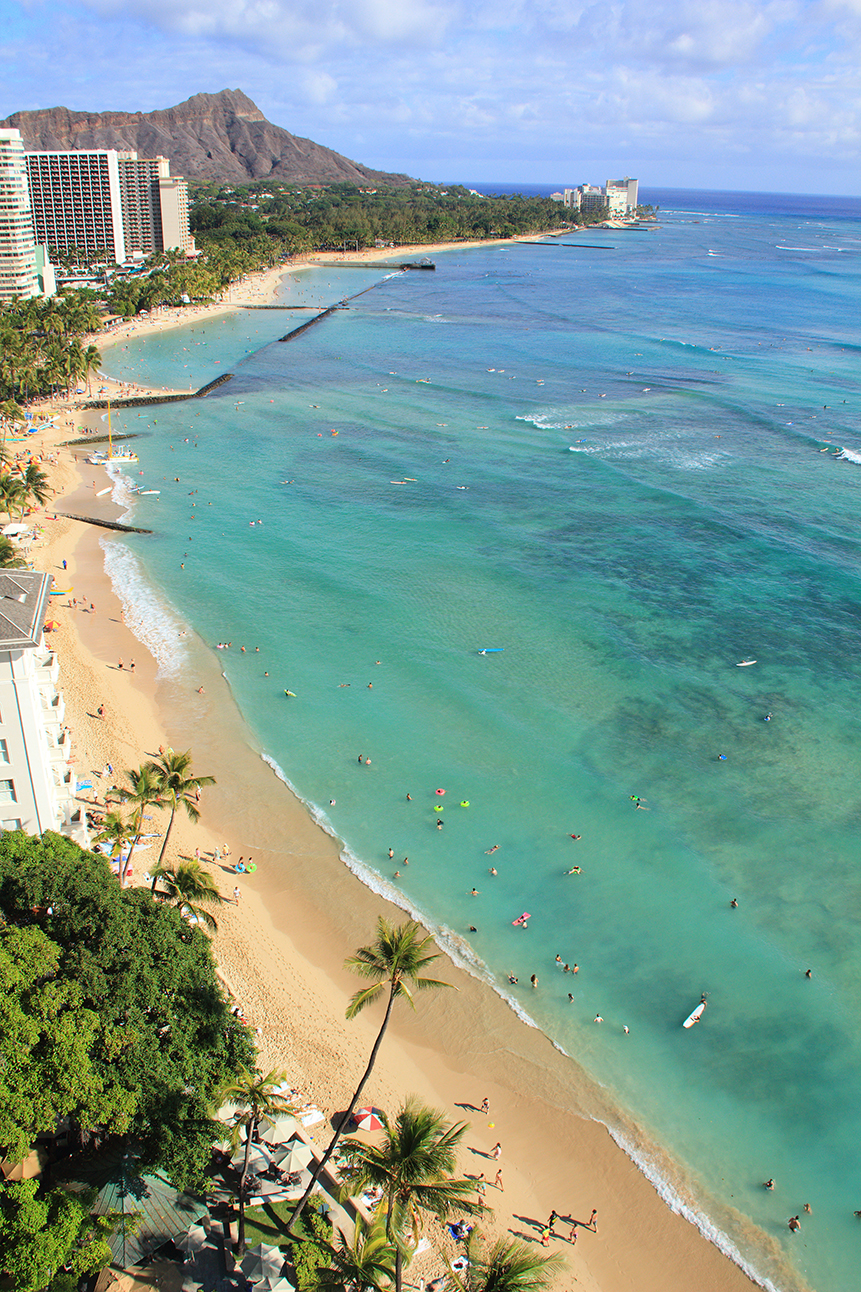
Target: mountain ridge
214,137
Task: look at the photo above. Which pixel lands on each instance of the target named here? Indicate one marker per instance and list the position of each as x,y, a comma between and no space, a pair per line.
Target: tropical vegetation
177,787
414,1167
394,962
508,1265
190,889
254,1096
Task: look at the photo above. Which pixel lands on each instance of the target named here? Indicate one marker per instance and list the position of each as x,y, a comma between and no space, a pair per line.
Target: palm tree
190,889
368,1262
414,1167
35,483
92,362
255,1096
509,1266
177,786
118,833
145,792
395,960
13,494
10,557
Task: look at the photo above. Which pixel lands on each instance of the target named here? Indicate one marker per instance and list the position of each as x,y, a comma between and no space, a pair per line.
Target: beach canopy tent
367,1119
12,531
262,1262
162,1213
274,1285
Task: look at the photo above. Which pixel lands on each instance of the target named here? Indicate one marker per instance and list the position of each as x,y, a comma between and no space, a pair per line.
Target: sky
709,94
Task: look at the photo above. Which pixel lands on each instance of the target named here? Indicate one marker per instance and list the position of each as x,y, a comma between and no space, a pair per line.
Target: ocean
621,462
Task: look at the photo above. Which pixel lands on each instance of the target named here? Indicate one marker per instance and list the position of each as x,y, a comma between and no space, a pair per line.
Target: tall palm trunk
124,869
167,833
339,1131
240,1233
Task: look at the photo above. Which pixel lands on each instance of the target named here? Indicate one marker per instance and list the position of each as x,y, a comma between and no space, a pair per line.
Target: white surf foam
152,619
849,456
673,1199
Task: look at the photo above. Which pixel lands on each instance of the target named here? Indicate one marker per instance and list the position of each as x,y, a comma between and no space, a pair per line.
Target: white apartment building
37,779
173,201
18,273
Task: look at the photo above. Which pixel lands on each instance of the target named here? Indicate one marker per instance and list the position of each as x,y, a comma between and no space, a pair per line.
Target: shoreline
558,1152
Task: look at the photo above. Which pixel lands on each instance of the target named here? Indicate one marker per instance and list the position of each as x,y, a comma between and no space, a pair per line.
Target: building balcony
47,669
53,710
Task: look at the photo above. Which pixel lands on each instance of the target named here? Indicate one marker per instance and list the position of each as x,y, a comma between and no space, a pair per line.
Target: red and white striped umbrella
367,1119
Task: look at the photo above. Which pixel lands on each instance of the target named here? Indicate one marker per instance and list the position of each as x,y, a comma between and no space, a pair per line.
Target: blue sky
724,94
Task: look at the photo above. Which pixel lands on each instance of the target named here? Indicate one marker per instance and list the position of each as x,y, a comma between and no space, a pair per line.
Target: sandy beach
281,947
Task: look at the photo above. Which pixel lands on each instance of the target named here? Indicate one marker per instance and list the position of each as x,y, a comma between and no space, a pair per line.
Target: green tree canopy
157,1039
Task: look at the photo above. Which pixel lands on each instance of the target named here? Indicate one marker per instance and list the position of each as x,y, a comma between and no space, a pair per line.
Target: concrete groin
105,524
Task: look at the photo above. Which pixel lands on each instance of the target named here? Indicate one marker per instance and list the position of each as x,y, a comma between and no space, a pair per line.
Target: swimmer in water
767,718
512,979
576,836
575,870
488,851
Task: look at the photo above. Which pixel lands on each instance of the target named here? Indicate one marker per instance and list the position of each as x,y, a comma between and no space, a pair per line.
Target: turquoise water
612,468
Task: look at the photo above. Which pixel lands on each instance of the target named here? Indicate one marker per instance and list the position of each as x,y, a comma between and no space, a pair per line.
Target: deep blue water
615,456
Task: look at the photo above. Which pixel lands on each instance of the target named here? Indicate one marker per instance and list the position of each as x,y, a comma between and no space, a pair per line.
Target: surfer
767,718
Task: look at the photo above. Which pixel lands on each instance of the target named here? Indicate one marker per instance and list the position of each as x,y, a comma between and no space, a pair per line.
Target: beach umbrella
194,1240
274,1285
262,1262
294,1156
278,1130
51,625
259,1159
367,1119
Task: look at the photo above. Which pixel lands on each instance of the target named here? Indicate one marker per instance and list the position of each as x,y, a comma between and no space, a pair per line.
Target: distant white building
618,197
37,779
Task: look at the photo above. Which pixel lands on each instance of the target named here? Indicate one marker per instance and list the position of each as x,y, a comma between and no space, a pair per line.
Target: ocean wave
542,422
670,1194
847,455
153,620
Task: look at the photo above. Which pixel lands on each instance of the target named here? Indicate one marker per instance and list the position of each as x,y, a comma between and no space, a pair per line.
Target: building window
14,824
7,792
4,752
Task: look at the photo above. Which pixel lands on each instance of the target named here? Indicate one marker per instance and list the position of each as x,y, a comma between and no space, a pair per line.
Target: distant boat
696,1014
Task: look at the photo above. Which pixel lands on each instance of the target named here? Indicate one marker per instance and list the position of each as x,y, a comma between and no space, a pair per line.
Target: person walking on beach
237,893
101,711
593,1222
485,1106
498,1181
496,1151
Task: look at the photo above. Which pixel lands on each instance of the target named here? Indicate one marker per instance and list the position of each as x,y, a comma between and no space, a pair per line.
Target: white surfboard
696,1014
745,663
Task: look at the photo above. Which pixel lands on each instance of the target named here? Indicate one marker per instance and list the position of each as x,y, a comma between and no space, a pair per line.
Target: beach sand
281,948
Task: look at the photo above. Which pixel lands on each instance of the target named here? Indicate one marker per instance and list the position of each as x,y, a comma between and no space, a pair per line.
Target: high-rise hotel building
18,272
107,204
